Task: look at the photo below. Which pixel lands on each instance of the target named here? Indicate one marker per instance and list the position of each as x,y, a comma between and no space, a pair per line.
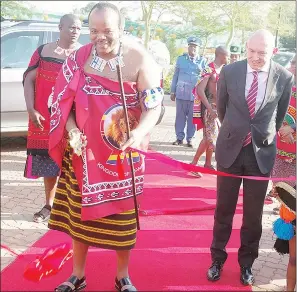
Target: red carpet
172,251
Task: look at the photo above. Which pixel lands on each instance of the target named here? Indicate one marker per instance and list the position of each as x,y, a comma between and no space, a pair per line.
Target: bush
168,80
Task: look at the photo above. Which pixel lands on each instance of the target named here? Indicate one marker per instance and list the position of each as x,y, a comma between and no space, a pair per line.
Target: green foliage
282,16
15,10
86,10
168,80
282,21
170,43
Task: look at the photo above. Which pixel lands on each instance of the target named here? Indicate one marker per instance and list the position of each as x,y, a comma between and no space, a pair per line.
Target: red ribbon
10,250
190,167
47,264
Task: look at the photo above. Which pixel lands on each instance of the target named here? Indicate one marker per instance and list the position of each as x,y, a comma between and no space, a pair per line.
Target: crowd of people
240,107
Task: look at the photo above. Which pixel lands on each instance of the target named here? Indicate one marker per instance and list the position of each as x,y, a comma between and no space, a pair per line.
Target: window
18,47
283,59
83,38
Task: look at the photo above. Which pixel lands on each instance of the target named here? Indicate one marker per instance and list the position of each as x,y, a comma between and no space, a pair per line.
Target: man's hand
285,131
288,139
134,141
172,96
77,141
36,118
213,114
273,193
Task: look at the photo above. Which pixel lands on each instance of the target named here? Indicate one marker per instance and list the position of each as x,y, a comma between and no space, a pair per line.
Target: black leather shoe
246,276
189,144
214,272
177,142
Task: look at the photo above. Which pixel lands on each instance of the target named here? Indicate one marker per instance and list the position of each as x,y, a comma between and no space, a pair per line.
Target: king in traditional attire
94,201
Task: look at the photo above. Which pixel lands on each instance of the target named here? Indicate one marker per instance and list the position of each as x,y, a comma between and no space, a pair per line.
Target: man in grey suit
252,100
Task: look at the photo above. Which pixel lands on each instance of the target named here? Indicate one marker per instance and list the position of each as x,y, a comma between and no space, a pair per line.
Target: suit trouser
253,201
184,114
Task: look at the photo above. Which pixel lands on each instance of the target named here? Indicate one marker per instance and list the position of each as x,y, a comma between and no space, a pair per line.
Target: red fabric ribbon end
120,167
49,263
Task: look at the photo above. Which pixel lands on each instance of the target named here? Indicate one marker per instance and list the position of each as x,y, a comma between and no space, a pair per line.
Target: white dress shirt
262,82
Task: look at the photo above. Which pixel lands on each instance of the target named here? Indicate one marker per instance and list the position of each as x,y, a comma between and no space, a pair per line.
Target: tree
282,19
15,10
208,24
125,12
232,10
202,18
249,20
147,11
148,8
86,10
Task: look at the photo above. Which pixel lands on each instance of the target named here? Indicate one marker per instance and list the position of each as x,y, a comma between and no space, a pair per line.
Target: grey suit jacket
235,118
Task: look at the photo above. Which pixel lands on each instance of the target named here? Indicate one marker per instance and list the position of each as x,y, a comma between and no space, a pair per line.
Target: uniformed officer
187,71
235,52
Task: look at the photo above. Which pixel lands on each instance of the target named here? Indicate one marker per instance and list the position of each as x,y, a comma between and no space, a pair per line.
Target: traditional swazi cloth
197,114
93,204
201,116
287,151
197,111
38,163
285,162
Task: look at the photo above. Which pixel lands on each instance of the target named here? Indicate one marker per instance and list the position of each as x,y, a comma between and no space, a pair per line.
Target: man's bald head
221,50
70,26
264,36
221,55
68,18
260,48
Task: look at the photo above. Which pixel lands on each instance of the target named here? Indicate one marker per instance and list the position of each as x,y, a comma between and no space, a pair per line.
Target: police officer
187,71
235,52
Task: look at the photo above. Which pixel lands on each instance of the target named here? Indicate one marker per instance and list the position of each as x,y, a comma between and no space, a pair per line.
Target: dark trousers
253,201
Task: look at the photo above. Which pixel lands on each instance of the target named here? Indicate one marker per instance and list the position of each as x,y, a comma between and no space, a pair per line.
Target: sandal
196,173
43,214
124,285
275,211
73,284
209,167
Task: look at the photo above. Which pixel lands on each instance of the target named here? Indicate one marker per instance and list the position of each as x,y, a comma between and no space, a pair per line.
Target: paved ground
20,198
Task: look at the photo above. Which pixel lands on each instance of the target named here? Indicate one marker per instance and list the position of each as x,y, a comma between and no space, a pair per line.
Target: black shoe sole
79,288
119,289
247,284
213,280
